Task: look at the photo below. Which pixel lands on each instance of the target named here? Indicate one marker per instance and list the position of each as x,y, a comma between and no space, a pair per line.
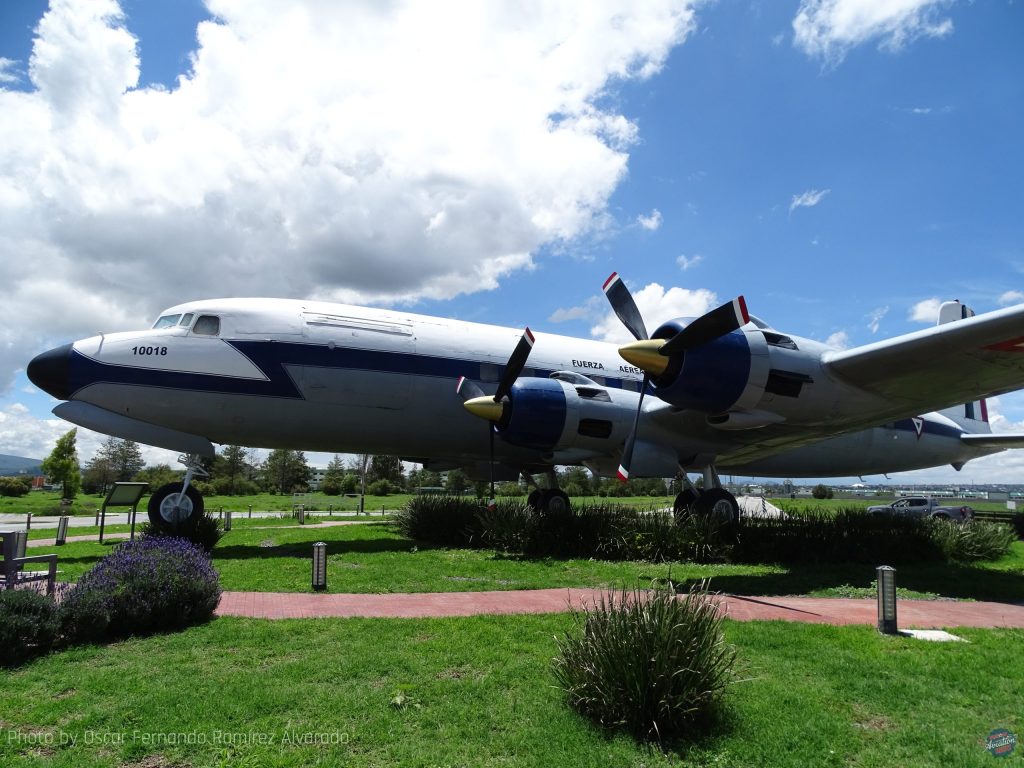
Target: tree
232,466
334,477
386,468
821,491
116,461
456,481
158,476
61,466
286,470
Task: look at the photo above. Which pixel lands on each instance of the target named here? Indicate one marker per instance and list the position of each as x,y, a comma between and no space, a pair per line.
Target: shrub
821,491
14,486
28,625
505,525
331,488
204,532
1018,524
147,585
656,665
379,488
447,520
964,542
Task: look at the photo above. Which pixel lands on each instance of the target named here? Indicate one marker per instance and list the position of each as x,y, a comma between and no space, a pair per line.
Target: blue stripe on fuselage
271,357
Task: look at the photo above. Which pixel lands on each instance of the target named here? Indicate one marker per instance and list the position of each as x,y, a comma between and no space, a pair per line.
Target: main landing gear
178,505
549,501
713,502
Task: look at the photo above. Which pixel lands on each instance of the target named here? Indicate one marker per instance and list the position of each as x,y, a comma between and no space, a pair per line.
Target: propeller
653,356
493,408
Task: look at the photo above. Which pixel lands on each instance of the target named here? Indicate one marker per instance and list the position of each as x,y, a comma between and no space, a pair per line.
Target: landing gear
177,505
170,509
549,501
713,503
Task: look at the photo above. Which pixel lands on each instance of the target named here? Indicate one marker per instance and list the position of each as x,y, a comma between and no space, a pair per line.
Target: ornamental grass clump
973,540
450,521
655,664
203,531
148,585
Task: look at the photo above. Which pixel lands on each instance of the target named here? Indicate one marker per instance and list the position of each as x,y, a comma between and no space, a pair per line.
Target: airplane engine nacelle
552,415
710,378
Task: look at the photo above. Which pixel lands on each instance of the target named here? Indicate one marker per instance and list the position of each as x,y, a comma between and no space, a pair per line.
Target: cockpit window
167,321
186,319
207,325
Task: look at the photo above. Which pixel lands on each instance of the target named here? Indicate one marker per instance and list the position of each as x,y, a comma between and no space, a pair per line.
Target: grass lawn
479,691
375,558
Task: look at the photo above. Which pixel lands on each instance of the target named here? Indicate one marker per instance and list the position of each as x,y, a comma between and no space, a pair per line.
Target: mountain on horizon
19,465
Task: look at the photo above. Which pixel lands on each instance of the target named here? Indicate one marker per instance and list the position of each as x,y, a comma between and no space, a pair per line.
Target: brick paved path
911,613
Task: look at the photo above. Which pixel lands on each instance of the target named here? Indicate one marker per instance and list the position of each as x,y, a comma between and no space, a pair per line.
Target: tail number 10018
162,351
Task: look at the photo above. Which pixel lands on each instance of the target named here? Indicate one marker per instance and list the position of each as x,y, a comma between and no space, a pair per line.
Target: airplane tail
971,417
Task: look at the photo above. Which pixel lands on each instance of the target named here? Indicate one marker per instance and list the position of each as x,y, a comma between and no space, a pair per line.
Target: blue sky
842,179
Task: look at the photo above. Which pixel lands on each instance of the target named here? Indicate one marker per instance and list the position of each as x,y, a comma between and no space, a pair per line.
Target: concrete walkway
924,614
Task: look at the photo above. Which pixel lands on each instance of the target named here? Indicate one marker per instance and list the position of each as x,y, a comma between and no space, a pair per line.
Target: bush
379,488
655,665
28,625
1018,524
204,532
964,542
14,486
821,492
147,585
447,520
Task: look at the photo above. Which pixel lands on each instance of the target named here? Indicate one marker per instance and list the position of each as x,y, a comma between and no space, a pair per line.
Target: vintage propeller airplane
722,393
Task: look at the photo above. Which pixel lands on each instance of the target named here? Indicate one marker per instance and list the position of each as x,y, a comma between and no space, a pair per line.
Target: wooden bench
12,570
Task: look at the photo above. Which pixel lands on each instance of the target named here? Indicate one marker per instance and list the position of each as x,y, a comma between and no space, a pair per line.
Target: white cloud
591,310
23,434
656,306
1011,297
828,29
875,318
7,73
808,199
651,222
926,311
839,339
351,151
685,262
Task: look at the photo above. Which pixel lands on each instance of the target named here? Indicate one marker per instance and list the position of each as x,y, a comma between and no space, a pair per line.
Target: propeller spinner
653,356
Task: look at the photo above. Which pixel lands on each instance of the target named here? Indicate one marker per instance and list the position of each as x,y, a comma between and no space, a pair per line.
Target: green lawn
375,558
478,691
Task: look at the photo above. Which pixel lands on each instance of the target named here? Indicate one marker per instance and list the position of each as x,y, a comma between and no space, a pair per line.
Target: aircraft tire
683,504
535,500
166,516
718,503
556,502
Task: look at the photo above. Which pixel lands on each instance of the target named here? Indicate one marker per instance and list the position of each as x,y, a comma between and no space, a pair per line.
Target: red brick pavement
912,613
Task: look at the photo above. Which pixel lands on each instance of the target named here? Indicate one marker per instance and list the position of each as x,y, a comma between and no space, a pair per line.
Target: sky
843,164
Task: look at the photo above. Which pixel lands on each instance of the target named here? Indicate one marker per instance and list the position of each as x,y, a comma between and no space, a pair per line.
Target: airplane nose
51,372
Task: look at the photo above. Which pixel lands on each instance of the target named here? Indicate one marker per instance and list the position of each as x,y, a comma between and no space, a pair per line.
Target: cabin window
207,325
167,321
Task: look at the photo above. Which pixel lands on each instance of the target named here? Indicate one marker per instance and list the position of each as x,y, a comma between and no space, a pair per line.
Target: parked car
923,506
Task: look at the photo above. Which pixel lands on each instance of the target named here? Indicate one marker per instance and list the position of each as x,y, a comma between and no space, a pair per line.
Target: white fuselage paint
395,393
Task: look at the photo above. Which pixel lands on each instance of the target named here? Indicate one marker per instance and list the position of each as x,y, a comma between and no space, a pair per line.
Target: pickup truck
923,506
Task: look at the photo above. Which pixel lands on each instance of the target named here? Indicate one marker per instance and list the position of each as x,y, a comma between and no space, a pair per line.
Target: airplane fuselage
328,377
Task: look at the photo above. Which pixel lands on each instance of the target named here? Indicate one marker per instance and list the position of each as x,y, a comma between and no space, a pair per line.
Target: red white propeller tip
529,335
458,387
740,307
623,474
612,278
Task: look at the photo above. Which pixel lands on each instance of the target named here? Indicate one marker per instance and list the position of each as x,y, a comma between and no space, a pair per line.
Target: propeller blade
625,307
467,389
627,451
716,323
515,365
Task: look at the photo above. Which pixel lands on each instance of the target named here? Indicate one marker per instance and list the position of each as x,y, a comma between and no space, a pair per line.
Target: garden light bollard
227,520
886,599
320,566
301,513
28,521
250,511
62,531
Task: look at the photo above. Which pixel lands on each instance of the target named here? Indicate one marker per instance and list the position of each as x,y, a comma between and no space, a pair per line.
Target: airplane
722,393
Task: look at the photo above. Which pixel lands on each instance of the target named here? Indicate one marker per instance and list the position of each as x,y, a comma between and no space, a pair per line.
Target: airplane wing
939,367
